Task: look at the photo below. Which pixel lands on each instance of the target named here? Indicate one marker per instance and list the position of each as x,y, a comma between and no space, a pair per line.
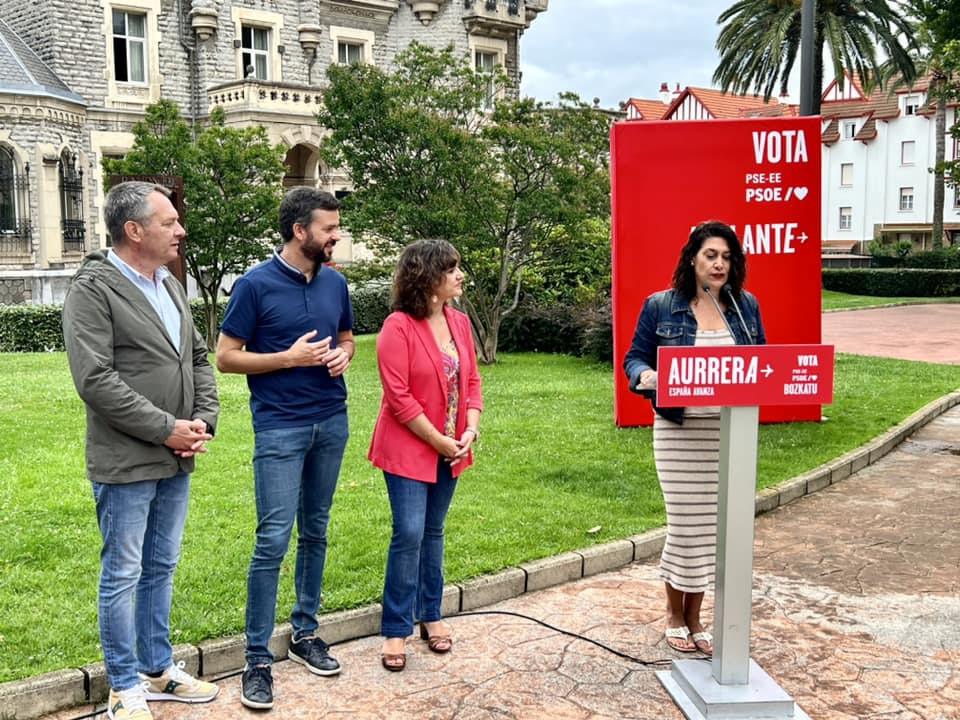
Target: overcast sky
617,49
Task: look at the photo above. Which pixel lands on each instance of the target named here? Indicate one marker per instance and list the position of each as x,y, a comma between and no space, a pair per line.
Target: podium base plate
700,697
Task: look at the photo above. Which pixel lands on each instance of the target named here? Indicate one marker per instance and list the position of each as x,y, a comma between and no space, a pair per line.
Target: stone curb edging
36,696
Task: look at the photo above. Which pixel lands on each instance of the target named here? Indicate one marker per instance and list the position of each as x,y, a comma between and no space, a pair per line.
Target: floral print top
451,370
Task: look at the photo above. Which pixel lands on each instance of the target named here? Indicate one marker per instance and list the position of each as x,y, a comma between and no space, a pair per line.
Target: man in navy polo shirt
289,329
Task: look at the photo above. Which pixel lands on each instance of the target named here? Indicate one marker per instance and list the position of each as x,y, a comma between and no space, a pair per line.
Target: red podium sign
744,375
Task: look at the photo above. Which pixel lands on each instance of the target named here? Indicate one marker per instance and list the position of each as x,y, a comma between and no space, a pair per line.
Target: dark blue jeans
295,474
413,586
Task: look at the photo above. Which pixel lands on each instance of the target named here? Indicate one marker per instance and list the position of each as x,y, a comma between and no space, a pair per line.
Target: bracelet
476,433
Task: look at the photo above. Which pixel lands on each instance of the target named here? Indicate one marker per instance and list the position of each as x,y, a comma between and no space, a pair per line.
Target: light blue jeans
295,474
413,586
141,524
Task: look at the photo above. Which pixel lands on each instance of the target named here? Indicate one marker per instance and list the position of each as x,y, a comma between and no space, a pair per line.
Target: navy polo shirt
270,307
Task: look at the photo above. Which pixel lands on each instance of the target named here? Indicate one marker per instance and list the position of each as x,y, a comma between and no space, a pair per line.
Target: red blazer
411,373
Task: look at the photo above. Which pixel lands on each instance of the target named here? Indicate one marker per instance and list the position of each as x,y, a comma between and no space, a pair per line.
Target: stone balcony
259,96
495,18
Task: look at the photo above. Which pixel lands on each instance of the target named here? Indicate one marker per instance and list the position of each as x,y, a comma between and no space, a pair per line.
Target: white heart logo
800,192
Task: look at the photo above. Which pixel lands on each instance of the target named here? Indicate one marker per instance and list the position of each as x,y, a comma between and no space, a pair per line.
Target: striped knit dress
687,457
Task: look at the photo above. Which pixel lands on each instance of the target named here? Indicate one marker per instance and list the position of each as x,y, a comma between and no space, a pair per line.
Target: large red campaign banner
761,176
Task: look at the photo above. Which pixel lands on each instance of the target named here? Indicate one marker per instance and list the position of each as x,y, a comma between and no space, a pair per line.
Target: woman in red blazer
427,424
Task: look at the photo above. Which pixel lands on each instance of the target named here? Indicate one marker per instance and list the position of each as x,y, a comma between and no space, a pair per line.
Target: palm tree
760,40
939,26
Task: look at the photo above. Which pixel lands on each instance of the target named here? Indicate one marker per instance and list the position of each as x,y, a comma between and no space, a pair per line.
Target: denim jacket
667,319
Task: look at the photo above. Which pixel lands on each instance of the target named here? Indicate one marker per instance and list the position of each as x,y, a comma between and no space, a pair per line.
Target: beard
315,250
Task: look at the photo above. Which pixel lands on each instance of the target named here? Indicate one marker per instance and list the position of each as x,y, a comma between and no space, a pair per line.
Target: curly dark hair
684,277
420,270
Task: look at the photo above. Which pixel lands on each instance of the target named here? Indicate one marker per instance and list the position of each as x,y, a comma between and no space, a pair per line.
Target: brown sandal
437,643
394,662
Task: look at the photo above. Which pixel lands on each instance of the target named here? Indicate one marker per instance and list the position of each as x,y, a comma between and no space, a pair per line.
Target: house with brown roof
708,104
878,148
694,103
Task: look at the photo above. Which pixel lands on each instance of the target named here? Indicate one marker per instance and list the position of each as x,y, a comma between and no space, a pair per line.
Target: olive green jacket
134,382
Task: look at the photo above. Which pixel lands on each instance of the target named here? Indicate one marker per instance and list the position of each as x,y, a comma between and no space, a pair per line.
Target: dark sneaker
257,686
314,654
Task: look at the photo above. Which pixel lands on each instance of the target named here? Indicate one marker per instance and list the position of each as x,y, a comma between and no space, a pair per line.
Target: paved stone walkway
907,332
856,604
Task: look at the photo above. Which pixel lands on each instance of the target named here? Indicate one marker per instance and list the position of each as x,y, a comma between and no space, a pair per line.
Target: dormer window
911,104
849,129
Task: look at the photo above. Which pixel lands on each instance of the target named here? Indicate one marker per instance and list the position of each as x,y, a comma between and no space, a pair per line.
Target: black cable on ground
625,656
568,633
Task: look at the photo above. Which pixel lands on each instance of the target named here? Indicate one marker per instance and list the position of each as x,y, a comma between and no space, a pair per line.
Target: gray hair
128,201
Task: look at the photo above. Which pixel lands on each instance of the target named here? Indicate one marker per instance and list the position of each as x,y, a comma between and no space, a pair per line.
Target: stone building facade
76,75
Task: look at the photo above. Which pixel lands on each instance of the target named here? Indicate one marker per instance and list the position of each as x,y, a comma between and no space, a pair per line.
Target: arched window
8,199
71,203
14,205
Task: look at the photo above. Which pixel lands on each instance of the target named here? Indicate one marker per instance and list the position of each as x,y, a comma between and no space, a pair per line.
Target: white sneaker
128,704
175,684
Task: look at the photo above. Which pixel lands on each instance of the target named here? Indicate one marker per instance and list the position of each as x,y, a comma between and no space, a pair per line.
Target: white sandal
678,633
703,637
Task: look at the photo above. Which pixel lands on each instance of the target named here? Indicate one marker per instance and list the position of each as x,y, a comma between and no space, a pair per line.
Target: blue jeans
295,474
141,524
413,586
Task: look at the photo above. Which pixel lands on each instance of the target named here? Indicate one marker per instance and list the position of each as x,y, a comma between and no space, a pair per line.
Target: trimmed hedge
893,282
31,328
584,330
39,328
371,305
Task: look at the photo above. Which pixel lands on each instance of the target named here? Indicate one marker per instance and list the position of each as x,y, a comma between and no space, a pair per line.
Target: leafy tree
939,26
760,40
232,186
426,161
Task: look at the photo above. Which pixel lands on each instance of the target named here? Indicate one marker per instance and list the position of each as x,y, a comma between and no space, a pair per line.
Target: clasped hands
305,353
453,451
188,438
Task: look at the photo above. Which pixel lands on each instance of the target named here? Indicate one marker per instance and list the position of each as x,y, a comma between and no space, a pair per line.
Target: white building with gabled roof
878,149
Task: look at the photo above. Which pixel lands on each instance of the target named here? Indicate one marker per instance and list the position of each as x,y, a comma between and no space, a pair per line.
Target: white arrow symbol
767,371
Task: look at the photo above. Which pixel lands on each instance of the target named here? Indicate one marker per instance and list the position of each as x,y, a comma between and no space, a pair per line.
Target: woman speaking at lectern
707,306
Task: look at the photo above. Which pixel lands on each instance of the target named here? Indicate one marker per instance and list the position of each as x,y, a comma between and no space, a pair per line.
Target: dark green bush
371,305
596,331
893,282
585,330
31,328
39,328
945,258
539,328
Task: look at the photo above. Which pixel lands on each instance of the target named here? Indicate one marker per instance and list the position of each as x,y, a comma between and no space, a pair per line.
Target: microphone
706,289
736,307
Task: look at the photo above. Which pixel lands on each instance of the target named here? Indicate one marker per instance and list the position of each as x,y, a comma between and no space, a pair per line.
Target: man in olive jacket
142,371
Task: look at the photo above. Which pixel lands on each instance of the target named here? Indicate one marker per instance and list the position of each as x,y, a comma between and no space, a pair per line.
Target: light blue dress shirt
156,293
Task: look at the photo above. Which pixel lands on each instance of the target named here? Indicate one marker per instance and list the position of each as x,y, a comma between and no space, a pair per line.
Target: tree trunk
213,326
938,193
488,346
486,332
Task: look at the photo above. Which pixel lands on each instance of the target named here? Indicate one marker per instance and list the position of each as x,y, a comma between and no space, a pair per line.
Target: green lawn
550,466
843,301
